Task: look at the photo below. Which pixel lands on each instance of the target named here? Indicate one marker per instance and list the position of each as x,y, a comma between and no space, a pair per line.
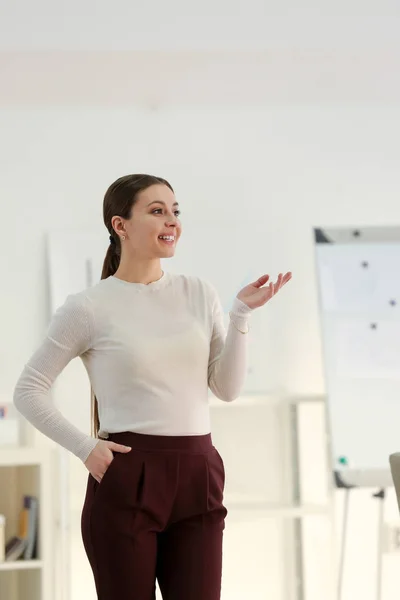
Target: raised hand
255,295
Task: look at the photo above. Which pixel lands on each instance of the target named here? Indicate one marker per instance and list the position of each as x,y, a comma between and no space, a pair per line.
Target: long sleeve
227,367
69,335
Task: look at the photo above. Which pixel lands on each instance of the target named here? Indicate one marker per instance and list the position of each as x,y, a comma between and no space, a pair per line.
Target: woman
152,343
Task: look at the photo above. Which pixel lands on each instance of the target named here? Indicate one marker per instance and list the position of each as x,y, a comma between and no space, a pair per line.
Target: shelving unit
26,470
286,406
19,565
259,438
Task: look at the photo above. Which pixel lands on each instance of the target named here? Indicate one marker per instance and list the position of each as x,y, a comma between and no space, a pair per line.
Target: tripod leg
343,543
381,497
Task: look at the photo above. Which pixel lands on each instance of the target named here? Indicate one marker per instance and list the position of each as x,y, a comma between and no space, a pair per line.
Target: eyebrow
162,202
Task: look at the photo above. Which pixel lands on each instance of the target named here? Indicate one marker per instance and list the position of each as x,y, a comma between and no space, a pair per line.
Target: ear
118,225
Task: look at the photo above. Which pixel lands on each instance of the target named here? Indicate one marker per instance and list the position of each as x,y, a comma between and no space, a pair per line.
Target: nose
171,222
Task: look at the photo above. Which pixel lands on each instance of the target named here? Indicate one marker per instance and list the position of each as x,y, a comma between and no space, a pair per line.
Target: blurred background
278,125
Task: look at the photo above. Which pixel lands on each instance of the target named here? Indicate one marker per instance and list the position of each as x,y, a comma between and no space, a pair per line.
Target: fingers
281,281
287,277
278,283
98,478
107,458
118,447
260,281
273,288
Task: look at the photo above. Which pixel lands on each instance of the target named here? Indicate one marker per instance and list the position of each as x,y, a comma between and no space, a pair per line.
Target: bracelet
233,323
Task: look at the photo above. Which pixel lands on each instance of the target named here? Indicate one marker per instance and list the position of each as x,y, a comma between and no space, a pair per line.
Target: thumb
118,447
260,281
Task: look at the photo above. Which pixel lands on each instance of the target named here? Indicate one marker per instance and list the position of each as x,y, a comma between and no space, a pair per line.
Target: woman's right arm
69,335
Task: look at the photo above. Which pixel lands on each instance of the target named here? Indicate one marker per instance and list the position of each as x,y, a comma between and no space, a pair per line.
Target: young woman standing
152,344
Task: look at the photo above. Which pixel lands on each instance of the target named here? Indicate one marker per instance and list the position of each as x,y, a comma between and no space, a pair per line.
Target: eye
156,210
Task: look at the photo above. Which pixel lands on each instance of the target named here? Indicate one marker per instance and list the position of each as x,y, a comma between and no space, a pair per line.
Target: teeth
166,237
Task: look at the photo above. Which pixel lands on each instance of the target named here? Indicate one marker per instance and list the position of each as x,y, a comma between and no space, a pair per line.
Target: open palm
255,295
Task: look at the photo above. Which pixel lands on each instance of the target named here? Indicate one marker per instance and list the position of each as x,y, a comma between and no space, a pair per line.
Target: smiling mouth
168,239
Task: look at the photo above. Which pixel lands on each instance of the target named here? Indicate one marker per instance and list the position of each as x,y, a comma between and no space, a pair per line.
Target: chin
166,250
167,253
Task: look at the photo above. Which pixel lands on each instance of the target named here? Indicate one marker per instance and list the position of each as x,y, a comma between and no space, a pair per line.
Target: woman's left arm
228,360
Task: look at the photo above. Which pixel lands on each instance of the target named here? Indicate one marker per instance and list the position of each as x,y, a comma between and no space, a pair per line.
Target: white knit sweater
151,352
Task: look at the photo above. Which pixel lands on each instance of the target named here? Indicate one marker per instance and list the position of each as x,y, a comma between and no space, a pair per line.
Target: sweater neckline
141,287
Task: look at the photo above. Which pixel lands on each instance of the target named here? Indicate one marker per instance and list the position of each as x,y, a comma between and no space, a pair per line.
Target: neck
140,272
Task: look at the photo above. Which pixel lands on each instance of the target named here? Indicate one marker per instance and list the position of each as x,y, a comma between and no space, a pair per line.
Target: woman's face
155,215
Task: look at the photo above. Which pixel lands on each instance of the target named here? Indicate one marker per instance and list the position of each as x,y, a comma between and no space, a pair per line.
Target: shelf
266,399
242,401
26,471
276,510
20,456
21,565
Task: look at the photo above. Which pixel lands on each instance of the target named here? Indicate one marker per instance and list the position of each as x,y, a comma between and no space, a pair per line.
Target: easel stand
380,495
340,484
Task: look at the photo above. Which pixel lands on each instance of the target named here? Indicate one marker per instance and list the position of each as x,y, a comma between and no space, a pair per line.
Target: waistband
180,443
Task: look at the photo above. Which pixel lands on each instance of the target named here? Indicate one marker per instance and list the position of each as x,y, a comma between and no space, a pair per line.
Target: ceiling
213,52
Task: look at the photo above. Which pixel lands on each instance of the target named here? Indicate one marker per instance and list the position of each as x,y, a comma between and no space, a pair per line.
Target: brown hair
119,200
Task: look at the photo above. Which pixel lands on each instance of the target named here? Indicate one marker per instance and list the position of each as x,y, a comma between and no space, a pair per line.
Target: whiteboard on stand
359,297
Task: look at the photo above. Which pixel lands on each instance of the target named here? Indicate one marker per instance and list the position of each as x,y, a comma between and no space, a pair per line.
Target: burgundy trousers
157,514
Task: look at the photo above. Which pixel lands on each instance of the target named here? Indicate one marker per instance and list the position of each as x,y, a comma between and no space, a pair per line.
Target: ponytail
110,266
112,258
